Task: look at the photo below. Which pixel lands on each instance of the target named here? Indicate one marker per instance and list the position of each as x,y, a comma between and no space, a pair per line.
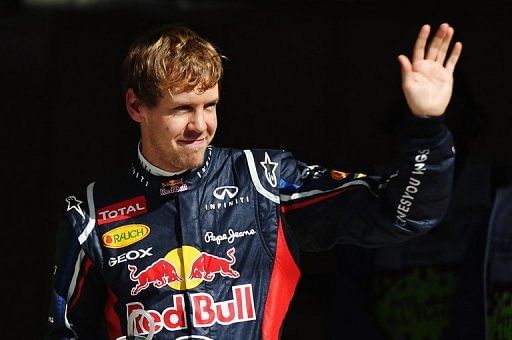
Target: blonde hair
171,59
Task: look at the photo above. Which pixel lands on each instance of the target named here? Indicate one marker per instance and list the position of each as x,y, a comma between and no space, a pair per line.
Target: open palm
427,81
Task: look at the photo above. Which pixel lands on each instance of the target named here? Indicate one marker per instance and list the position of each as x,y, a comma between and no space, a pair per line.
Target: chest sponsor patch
130,256
205,311
225,197
230,236
182,269
124,236
173,186
122,210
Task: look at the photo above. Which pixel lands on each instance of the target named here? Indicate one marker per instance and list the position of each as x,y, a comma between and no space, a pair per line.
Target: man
198,242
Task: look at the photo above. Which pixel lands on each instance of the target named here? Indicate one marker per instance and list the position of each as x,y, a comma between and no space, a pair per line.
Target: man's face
176,132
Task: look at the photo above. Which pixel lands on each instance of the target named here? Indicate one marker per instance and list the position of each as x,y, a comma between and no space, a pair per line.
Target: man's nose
197,122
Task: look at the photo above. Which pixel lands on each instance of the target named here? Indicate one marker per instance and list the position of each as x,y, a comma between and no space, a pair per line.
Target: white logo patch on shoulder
74,204
270,170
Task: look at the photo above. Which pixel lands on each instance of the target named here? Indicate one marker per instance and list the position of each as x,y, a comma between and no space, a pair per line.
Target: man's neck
152,169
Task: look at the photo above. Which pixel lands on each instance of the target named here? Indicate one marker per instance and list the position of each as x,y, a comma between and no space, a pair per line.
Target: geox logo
229,190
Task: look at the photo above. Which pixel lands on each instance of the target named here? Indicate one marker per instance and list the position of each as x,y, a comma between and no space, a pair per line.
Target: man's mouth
196,142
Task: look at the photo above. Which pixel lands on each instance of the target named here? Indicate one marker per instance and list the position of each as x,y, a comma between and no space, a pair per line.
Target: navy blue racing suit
212,253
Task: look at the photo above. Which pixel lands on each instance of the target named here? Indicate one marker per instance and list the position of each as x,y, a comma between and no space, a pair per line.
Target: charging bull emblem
160,273
206,266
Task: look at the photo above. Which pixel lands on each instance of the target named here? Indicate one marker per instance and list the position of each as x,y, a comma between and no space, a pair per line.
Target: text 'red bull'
205,311
160,273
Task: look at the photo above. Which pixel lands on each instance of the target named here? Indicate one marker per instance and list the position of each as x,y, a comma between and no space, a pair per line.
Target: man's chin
190,158
195,160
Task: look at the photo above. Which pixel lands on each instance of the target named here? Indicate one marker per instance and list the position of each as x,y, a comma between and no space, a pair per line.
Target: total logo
122,210
226,198
205,312
183,268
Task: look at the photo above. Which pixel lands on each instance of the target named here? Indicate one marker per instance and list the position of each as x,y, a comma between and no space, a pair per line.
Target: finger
419,47
405,66
454,57
436,42
443,49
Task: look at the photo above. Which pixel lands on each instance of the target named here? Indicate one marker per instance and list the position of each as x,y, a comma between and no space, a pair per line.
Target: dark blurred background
319,78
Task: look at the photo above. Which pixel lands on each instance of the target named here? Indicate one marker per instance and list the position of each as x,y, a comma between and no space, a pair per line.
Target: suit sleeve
327,207
78,292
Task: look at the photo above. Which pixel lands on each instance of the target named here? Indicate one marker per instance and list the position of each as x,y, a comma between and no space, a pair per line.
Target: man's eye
180,109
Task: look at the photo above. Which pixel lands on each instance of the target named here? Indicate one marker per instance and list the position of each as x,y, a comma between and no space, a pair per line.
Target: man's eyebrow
184,104
216,100
190,104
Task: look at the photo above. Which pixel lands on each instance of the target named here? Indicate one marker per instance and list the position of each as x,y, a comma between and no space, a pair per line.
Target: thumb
405,65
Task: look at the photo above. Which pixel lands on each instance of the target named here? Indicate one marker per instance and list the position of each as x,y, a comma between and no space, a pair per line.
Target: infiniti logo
221,192
223,202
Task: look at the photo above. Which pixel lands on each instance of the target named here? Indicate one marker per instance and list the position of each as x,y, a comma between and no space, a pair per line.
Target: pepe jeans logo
228,190
230,236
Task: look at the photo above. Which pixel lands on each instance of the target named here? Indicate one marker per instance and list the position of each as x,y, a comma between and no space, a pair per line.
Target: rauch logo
124,236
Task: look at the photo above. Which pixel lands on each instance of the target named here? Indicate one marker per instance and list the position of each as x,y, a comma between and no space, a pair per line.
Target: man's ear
134,106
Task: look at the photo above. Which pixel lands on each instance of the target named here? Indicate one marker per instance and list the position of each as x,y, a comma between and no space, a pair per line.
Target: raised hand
427,81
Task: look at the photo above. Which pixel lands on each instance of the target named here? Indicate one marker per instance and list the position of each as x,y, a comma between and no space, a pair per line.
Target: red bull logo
183,268
159,274
173,186
172,182
205,311
206,266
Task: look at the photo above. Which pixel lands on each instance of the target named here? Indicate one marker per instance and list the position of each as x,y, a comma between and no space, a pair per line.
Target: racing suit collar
152,169
167,183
